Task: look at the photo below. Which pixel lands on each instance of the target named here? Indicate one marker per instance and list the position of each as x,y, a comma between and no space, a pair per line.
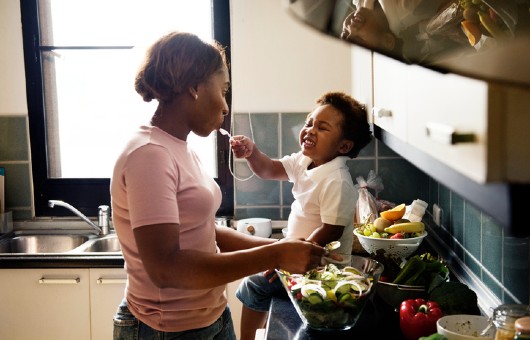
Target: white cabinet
390,95
47,304
477,128
235,305
107,287
59,303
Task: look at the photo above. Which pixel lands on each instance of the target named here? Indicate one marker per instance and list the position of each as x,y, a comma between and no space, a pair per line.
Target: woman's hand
242,146
298,256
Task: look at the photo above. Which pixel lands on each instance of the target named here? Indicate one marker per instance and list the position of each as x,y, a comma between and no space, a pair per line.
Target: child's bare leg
251,321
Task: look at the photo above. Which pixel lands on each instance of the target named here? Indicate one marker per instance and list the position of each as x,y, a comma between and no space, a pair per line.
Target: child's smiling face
321,138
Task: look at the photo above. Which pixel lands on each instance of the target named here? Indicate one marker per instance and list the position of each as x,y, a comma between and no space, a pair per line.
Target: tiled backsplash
501,262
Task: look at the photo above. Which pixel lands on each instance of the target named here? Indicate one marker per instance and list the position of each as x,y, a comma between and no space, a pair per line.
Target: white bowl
256,226
464,327
401,248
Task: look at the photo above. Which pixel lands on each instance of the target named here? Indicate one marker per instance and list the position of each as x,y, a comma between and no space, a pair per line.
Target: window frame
86,194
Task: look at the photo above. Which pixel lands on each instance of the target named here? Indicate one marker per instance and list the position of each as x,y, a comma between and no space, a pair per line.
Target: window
80,59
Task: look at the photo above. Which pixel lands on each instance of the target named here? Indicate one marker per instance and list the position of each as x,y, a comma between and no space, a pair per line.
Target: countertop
377,318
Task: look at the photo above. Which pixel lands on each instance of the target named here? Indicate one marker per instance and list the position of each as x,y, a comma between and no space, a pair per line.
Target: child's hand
242,146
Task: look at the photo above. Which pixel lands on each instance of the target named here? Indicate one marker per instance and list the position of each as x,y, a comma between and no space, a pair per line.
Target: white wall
280,64
12,77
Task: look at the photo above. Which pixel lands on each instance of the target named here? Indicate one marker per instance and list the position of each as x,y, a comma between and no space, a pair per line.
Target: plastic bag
367,207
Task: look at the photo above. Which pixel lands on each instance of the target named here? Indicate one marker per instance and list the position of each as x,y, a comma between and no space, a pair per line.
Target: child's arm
261,164
326,233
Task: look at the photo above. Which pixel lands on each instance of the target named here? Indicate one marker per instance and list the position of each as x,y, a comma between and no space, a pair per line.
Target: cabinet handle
447,134
63,281
109,281
380,112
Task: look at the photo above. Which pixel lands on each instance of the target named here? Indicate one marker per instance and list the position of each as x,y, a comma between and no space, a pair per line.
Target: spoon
328,248
485,330
225,133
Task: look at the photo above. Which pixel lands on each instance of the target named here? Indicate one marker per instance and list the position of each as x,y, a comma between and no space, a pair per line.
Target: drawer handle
380,112
64,281
109,281
446,134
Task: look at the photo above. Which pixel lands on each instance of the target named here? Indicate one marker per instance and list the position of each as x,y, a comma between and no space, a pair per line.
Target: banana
407,227
490,25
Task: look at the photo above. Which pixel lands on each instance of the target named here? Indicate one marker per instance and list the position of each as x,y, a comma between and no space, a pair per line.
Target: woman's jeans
128,327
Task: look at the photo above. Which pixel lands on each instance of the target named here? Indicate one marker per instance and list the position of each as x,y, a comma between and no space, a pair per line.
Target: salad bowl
333,297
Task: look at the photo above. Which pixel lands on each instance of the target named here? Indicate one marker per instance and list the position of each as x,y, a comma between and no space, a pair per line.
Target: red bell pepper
417,318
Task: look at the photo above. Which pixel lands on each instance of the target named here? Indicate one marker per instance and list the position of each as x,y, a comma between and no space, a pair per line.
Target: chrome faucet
103,216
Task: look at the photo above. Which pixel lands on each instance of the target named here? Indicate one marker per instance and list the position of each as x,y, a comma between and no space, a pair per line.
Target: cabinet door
234,304
107,287
44,304
390,95
447,119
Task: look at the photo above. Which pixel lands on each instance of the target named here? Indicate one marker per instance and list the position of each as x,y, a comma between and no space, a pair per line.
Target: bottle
504,317
522,328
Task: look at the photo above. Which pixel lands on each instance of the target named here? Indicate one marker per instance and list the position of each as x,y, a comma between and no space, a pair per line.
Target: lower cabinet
107,287
59,303
235,305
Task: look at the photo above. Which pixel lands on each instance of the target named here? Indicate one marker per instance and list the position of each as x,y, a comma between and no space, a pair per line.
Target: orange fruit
395,213
472,31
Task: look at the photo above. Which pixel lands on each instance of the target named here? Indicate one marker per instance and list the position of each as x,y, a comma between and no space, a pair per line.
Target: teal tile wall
501,262
14,157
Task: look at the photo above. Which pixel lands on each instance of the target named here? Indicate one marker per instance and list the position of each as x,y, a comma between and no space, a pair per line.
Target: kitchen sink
41,244
109,244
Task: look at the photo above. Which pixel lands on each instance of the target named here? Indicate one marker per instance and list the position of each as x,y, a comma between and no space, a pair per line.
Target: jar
522,328
504,318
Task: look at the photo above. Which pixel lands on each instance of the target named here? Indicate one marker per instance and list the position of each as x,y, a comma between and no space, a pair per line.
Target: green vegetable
435,336
455,298
422,270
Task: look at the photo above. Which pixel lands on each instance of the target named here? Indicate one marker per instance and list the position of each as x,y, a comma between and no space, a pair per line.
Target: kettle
256,226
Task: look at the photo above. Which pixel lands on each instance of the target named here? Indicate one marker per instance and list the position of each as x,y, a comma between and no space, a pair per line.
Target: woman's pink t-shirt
159,179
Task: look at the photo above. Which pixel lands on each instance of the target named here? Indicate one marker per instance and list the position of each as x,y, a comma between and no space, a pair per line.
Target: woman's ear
194,92
346,146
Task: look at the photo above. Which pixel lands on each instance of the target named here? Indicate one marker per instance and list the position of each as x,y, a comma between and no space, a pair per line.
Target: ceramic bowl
330,307
393,294
401,248
464,327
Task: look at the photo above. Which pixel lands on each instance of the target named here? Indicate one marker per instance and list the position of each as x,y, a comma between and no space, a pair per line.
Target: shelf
504,202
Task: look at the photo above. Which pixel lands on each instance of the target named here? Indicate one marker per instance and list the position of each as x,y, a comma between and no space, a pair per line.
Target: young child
325,198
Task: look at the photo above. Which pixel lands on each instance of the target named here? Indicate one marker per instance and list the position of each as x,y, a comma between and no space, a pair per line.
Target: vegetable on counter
417,318
422,270
455,298
435,336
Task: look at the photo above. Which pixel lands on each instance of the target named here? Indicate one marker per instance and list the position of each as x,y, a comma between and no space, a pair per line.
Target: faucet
103,216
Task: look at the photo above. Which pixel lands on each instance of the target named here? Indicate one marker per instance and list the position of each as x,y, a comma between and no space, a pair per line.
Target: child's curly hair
355,125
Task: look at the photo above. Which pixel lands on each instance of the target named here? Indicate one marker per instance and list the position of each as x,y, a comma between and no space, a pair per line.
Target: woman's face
321,137
211,103
365,27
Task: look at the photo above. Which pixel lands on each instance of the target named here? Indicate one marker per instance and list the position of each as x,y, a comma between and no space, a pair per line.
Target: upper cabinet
472,126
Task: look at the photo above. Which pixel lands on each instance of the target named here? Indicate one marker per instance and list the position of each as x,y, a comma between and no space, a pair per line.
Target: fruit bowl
333,297
401,248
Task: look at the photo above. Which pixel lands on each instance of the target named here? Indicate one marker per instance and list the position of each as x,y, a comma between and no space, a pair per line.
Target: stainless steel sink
108,244
41,244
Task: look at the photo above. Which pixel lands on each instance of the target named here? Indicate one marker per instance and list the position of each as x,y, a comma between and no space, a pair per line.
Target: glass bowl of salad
333,297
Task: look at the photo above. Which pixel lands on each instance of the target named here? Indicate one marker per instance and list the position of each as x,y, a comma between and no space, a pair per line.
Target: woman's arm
169,266
229,239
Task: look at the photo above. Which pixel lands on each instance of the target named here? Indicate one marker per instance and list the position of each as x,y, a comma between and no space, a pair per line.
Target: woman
164,203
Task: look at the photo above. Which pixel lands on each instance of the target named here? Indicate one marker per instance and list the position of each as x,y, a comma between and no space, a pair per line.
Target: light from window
91,105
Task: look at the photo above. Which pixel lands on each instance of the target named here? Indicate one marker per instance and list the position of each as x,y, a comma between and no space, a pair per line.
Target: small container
522,328
504,318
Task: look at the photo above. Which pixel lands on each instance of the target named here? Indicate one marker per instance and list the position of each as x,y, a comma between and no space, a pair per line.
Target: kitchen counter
378,318
61,261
